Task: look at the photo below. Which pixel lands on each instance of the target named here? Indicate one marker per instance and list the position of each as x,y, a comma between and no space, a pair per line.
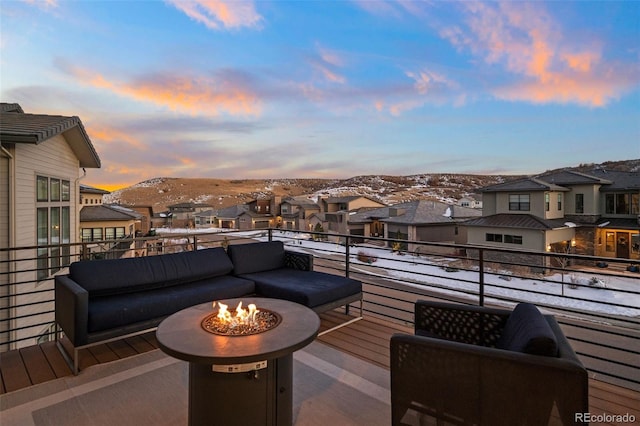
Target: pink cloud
527,41
216,13
198,95
329,63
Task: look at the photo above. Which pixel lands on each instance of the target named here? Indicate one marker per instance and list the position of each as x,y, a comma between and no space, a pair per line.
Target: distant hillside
620,166
447,187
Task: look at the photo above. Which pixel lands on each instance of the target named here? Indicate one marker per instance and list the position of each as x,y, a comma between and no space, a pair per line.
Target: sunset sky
334,89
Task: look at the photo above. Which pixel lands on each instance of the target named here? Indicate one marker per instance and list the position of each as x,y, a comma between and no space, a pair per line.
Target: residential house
419,220
296,213
144,225
261,213
182,214
205,219
335,211
110,222
473,201
605,206
592,213
250,219
42,160
228,217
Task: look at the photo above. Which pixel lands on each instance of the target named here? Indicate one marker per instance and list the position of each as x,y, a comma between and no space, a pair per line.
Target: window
624,203
547,202
92,234
559,202
55,189
495,238
42,188
513,239
42,240
115,233
65,190
519,202
53,224
579,203
54,238
610,241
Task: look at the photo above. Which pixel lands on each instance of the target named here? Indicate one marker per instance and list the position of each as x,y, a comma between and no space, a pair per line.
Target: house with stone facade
593,213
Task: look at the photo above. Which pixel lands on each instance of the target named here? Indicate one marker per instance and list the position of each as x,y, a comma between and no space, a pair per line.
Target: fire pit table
241,379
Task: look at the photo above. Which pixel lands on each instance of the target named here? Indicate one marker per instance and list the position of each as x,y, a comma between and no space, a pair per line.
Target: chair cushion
117,276
527,331
309,288
256,257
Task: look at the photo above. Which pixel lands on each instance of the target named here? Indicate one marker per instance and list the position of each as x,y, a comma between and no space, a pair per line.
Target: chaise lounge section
277,275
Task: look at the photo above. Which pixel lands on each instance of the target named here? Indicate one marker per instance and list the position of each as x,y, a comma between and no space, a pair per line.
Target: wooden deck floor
367,339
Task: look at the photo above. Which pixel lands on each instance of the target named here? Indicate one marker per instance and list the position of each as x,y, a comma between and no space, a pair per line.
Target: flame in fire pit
242,316
244,322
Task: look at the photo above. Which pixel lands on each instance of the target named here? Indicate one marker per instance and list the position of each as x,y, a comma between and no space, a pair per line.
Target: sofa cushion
115,311
256,257
115,276
309,288
527,331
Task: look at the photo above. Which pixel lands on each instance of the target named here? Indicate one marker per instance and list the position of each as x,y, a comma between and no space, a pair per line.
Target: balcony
343,376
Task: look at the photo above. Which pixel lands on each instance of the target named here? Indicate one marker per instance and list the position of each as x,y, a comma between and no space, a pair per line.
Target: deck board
55,359
103,353
13,371
367,339
121,348
37,365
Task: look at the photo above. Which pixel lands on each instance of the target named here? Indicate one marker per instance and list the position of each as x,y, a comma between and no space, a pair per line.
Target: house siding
51,158
554,212
5,193
4,200
531,239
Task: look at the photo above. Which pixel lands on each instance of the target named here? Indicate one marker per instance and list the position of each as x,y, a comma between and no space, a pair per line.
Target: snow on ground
603,297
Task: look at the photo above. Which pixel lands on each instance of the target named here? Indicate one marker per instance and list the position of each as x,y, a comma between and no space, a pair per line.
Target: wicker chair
453,371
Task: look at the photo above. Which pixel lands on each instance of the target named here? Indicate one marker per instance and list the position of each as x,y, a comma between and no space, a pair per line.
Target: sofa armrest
72,309
474,325
297,260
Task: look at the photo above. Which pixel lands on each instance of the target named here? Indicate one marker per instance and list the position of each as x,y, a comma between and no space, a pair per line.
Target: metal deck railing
598,307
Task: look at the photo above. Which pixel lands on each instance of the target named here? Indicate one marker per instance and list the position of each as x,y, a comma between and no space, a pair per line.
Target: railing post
270,234
195,242
347,256
481,277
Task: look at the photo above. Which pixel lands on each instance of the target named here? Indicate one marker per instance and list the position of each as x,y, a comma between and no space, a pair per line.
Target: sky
329,89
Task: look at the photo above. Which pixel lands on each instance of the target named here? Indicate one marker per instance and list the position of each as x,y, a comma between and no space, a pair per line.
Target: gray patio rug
330,388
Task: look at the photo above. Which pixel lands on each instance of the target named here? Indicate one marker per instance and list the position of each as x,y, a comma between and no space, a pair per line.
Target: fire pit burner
264,320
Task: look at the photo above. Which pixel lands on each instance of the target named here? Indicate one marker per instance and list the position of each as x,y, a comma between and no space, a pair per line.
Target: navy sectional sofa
103,300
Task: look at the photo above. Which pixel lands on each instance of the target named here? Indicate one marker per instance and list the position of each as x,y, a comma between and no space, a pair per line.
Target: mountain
219,193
